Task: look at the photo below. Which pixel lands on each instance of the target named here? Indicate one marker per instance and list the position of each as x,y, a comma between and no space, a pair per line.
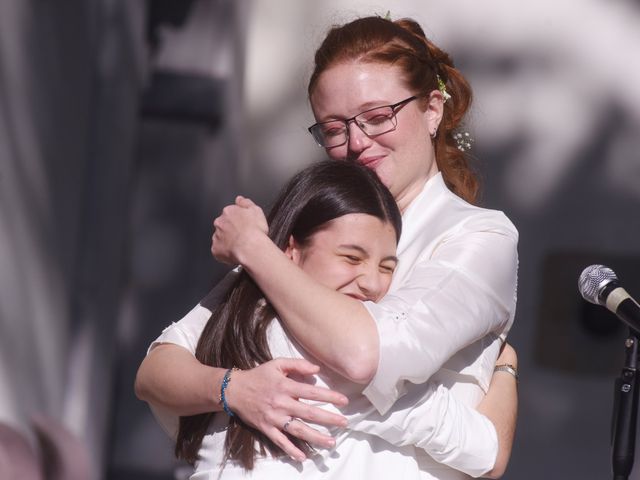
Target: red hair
403,43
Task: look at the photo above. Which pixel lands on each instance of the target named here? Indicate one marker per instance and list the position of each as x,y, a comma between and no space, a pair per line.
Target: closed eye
377,120
388,269
333,132
352,259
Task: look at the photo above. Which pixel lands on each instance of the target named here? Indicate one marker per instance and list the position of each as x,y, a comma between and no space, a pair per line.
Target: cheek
325,270
338,274
386,284
337,153
385,173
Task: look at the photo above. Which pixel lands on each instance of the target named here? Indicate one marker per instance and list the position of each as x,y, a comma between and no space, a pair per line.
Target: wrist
507,368
223,397
508,356
210,388
232,391
254,242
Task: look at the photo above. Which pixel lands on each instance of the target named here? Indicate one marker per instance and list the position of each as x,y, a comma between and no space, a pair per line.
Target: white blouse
452,299
441,301
375,447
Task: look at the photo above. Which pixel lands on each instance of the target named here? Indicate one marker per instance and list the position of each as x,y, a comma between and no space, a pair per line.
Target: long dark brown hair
403,43
235,335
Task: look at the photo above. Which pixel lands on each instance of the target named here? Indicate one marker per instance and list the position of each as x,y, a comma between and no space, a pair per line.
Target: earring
434,133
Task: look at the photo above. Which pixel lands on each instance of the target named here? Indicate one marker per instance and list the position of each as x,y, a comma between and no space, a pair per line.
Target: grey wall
70,77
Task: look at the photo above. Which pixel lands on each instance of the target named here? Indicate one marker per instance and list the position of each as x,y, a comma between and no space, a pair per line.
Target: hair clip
261,303
443,88
463,141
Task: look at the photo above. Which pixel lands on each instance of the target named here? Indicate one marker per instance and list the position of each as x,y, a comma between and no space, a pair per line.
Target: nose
358,140
371,282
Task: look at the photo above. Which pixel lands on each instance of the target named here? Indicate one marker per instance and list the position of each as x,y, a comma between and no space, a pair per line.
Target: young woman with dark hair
319,203
385,97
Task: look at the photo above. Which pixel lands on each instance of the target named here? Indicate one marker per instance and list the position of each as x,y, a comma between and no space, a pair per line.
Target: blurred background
126,126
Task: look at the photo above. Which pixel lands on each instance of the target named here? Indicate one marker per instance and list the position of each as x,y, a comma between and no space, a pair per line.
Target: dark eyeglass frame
394,108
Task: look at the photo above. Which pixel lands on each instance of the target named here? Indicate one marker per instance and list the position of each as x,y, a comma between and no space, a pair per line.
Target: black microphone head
593,280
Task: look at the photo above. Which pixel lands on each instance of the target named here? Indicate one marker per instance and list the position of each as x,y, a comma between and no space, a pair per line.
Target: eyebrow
374,104
364,252
363,108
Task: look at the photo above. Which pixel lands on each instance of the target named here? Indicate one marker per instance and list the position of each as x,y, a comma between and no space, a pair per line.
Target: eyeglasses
373,122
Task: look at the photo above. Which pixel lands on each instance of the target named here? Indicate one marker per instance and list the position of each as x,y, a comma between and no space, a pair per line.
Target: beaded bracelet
225,383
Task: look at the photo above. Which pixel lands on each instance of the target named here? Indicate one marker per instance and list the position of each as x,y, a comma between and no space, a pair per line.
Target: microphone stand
625,411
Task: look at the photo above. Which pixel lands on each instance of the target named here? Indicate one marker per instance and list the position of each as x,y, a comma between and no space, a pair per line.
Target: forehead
346,89
359,229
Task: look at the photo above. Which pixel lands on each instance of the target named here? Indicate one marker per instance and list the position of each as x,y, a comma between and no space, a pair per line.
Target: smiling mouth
370,162
362,298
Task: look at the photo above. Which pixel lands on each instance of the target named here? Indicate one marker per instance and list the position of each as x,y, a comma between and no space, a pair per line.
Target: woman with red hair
384,96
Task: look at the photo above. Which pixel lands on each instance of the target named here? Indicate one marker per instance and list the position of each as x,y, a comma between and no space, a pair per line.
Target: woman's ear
434,111
293,250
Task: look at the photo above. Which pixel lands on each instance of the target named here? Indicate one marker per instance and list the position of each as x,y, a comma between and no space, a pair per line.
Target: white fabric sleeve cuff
433,419
382,391
186,332
466,441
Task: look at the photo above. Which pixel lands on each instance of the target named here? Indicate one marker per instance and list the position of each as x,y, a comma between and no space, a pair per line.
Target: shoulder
186,332
468,217
439,218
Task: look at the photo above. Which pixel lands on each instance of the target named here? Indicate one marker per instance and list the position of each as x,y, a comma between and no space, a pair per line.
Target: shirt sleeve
431,418
186,333
464,291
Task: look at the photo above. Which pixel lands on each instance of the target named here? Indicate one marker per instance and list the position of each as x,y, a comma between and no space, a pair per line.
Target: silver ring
286,424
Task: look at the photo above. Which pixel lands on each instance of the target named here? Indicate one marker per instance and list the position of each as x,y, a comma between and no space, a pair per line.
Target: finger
317,415
281,440
312,392
219,222
228,210
304,390
297,365
301,430
244,202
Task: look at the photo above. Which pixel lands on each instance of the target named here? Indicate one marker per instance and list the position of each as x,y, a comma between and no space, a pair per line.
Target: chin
384,177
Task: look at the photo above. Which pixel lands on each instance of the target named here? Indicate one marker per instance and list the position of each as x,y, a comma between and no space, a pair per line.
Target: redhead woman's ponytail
452,162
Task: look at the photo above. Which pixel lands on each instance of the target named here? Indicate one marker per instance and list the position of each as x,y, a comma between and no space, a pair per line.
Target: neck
406,198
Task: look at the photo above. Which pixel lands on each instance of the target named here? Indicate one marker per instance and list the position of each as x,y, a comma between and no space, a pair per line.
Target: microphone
599,285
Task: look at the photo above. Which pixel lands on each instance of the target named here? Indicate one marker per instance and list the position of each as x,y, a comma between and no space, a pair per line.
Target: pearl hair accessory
463,141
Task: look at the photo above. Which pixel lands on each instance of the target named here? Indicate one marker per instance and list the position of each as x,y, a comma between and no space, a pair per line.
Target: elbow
496,472
138,389
500,466
361,365
140,386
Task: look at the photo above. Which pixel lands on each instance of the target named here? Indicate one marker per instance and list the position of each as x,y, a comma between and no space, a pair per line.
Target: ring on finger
286,424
